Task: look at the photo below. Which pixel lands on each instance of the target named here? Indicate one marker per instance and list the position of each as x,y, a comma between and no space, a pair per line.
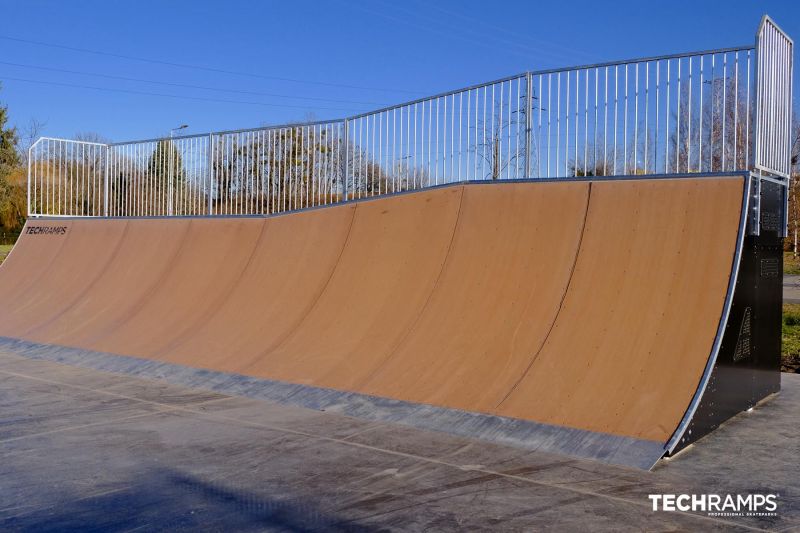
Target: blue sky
274,62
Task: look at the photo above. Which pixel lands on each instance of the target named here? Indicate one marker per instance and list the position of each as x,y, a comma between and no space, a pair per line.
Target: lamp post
173,130
171,186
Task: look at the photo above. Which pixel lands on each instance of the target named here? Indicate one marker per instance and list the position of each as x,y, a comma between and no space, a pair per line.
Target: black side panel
748,364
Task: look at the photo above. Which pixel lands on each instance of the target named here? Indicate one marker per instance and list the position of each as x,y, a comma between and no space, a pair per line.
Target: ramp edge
529,435
677,436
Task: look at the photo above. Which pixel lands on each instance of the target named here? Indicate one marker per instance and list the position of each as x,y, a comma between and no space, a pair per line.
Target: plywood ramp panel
292,264
87,249
144,257
637,326
29,263
393,257
505,276
199,277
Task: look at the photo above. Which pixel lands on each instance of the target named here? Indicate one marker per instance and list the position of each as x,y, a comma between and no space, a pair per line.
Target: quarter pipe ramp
588,310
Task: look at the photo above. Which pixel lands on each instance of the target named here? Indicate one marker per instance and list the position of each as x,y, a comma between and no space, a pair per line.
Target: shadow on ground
205,505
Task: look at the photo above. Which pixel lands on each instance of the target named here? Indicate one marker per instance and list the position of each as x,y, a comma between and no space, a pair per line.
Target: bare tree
28,135
794,208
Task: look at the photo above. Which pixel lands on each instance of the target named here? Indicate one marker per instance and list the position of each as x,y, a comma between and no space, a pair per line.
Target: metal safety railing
713,111
775,51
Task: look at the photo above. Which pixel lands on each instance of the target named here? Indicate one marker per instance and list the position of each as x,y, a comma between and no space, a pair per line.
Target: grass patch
790,333
791,264
4,250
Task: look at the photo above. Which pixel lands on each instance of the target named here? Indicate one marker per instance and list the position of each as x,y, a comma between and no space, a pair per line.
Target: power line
504,31
437,28
200,67
186,85
175,96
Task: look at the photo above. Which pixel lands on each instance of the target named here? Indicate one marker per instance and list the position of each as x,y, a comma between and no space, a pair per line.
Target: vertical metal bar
436,144
724,106
431,140
689,125
616,123
736,111
702,117
636,120
605,125
469,121
539,144
566,125
477,108
449,178
491,148
460,133
747,118
596,124
577,121
528,121
678,122
28,192
407,151
210,175
346,159
625,126
105,180
585,121
713,105
549,107
658,91
499,140
558,122
666,127
646,115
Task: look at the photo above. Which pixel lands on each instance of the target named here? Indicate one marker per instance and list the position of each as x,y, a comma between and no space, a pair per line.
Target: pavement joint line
70,428
15,508
357,445
109,393
101,493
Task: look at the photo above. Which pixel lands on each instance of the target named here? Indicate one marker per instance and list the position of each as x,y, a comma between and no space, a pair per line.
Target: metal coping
723,322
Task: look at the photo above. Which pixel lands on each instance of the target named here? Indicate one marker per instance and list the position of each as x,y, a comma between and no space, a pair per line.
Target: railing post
210,172
105,180
30,158
171,177
528,122
346,159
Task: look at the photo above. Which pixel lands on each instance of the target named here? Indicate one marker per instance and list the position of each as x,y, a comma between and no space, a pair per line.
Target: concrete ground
791,289
87,450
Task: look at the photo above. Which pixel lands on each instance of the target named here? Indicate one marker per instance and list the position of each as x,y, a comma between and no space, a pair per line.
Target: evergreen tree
164,156
12,197
167,175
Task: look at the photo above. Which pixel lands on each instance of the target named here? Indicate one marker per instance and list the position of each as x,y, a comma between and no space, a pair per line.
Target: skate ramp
587,305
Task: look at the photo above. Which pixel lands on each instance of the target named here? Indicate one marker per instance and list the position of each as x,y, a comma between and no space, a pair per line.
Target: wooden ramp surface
591,305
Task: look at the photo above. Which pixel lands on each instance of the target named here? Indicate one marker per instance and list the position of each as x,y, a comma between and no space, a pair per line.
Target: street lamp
181,127
171,185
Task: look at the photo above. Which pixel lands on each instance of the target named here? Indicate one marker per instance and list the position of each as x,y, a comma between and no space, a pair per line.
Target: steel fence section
66,178
276,169
680,113
773,100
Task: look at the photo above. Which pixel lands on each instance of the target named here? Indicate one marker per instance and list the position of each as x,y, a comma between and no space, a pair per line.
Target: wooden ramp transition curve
592,305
